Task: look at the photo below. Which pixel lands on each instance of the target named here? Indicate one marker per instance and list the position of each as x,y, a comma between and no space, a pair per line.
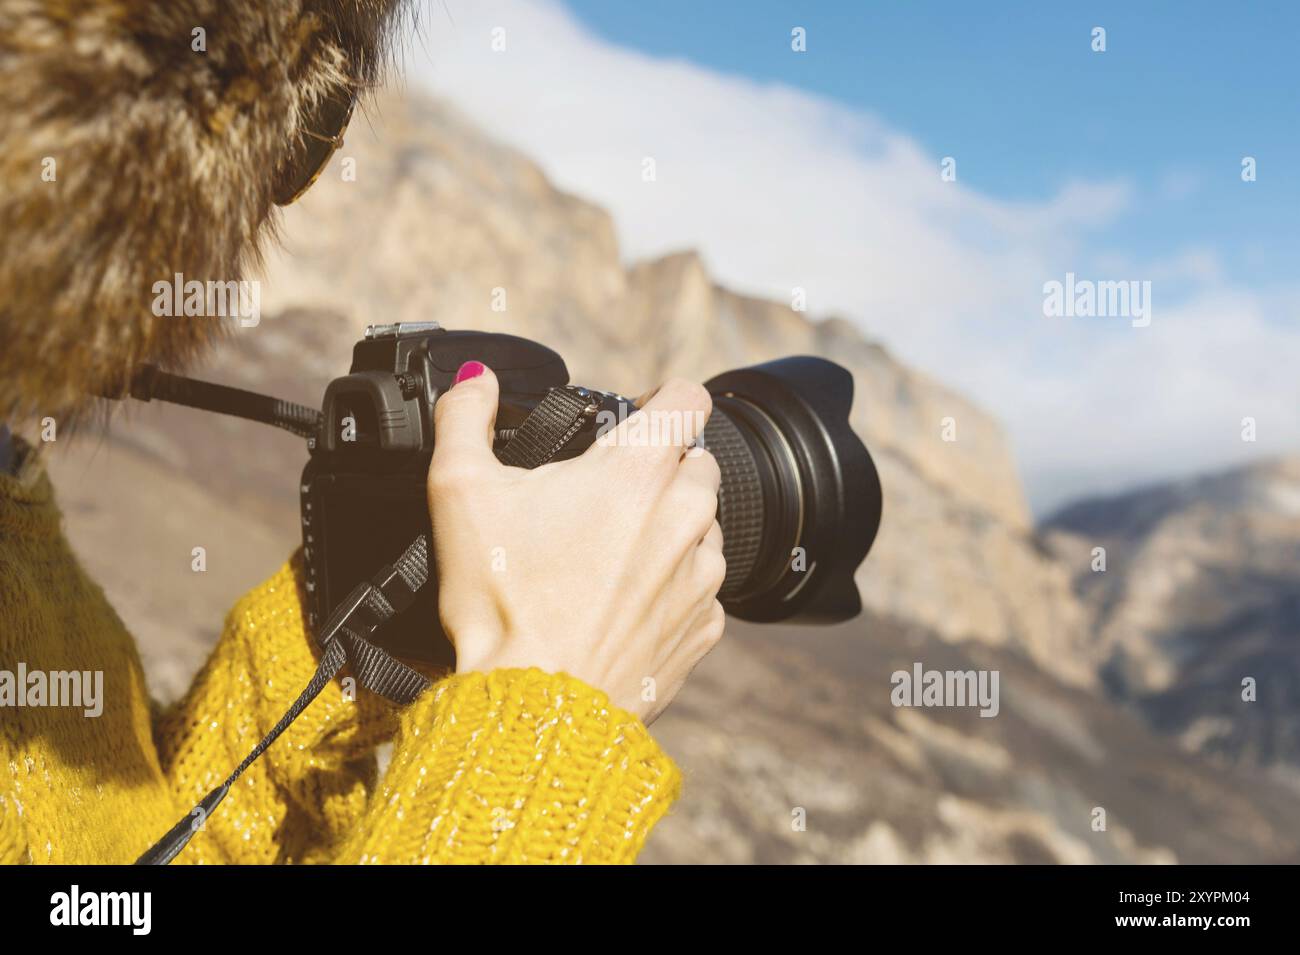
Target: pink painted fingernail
471,369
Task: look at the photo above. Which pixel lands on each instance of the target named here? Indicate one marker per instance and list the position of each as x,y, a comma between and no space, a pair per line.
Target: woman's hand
606,566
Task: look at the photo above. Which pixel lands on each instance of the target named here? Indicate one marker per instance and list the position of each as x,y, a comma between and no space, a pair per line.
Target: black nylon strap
380,672
178,836
548,428
344,637
342,640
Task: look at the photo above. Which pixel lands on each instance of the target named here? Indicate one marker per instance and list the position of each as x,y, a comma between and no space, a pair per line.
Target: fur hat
140,140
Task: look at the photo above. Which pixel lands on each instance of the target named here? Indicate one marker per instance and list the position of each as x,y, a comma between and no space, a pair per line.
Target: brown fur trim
164,159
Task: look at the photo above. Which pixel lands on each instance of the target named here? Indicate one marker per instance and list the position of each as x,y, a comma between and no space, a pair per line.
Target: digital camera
799,503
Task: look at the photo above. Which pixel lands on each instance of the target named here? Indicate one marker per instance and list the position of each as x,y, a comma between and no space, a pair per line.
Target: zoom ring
740,501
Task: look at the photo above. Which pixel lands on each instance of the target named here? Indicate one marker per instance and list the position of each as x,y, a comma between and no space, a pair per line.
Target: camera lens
800,499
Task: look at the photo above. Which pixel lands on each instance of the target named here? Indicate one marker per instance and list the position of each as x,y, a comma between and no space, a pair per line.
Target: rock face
792,748
442,225
783,728
1201,592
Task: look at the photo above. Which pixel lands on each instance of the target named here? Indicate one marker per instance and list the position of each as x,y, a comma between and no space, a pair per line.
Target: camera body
799,502
363,491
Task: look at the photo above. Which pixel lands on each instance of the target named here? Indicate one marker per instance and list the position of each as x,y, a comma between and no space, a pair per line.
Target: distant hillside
778,720
1201,591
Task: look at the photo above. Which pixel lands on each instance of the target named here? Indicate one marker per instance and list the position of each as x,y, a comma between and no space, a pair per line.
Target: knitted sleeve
13,843
516,766
512,766
304,795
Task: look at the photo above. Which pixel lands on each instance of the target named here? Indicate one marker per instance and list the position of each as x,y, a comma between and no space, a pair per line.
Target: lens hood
821,495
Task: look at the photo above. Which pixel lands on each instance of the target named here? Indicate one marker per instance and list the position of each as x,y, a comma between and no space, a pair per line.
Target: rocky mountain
1200,594
442,223
784,725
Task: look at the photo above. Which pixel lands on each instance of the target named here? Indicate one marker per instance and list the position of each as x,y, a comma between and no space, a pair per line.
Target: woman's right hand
606,566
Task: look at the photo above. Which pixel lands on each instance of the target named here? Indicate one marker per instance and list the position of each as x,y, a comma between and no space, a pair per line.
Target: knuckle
453,403
714,570
715,625
705,505
689,394
641,467
710,468
714,533
449,474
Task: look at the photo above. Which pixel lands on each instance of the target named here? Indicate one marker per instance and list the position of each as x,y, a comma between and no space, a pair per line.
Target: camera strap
344,638
148,382
548,428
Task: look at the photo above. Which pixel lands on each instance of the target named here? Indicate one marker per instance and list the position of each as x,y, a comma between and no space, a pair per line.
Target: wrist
482,650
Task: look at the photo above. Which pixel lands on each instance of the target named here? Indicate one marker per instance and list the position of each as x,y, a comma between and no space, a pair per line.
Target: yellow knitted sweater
511,766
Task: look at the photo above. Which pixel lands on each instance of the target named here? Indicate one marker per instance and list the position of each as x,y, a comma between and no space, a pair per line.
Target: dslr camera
799,503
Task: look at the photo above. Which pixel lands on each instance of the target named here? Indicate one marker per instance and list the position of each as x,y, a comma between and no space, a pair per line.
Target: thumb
464,417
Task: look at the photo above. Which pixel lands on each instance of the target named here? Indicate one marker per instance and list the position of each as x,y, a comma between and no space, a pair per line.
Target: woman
131,154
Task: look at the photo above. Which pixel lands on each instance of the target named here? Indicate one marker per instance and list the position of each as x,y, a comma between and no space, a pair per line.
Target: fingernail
471,369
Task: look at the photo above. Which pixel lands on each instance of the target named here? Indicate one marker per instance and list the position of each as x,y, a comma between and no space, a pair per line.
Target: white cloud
779,188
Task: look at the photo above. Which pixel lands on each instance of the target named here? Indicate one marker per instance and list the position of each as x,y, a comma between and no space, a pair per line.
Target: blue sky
1015,93
820,170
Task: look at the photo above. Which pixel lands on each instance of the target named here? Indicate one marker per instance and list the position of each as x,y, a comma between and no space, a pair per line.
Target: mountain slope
1201,591
779,720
